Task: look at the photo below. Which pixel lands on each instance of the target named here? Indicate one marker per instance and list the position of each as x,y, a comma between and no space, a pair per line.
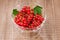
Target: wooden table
50,31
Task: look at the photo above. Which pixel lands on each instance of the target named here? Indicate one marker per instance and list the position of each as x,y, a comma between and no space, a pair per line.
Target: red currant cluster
27,19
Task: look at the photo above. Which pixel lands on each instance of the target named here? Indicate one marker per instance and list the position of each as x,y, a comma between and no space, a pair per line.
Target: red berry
28,11
23,10
23,19
25,25
33,22
31,27
17,20
37,15
30,19
38,18
20,24
38,23
41,19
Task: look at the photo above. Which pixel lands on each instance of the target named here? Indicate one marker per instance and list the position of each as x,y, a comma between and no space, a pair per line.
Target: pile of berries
27,19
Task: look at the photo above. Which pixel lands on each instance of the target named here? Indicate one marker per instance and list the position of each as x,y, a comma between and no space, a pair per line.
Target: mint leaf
15,12
37,10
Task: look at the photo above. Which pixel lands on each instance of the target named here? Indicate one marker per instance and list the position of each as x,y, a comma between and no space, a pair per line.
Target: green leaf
15,12
37,10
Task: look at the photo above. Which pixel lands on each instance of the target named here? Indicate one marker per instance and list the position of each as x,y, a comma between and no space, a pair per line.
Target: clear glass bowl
32,4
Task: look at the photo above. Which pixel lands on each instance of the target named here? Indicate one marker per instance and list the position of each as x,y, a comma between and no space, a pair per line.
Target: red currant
31,27
23,10
25,25
23,19
20,24
28,11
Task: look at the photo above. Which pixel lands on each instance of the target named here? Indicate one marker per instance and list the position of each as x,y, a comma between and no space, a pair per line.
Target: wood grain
50,31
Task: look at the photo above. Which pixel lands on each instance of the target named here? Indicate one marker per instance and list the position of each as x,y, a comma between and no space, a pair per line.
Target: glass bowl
32,5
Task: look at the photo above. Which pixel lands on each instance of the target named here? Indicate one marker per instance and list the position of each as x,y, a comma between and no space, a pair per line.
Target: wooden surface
50,31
